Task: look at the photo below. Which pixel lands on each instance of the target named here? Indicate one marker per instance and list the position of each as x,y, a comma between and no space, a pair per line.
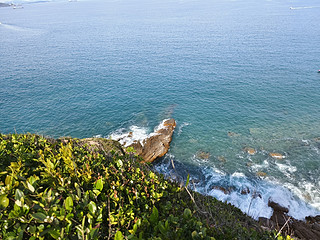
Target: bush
65,189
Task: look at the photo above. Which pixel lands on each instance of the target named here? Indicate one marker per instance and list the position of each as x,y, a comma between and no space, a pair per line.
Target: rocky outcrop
157,143
276,155
309,229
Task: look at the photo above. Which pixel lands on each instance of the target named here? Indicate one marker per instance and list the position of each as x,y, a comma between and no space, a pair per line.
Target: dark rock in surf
309,229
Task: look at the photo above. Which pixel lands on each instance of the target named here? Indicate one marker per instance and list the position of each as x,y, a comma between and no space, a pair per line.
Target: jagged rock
277,207
276,155
157,144
309,229
245,191
311,219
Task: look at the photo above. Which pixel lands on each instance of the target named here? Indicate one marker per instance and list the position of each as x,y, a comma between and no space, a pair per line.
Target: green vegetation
76,189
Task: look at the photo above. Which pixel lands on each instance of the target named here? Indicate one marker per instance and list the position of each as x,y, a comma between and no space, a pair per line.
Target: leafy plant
69,189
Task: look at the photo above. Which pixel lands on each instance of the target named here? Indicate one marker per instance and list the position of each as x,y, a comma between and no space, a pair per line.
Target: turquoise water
248,67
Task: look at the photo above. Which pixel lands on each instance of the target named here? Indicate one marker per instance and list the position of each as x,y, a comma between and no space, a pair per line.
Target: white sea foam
160,126
258,167
127,138
285,168
256,202
234,190
182,126
134,134
238,174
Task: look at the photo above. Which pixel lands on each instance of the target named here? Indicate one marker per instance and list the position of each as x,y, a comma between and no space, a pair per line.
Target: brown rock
157,145
277,207
315,219
225,191
261,174
276,155
250,150
303,230
245,191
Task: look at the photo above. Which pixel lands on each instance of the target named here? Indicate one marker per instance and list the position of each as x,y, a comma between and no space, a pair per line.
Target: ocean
240,77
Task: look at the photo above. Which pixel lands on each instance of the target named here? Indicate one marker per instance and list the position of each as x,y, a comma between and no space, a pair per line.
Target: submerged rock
222,159
233,134
250,150
261,174
156,144
224,190
245,191
203,155
276,155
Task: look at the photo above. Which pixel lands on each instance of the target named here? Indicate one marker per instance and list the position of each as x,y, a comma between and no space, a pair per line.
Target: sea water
235,74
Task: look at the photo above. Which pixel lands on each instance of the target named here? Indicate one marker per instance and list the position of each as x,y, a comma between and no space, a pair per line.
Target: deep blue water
249,67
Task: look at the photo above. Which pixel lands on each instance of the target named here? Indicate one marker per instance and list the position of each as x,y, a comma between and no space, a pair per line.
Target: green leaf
188,179
32,229
54,233
68,203
19,194
118,236
8,181
39,216
154,215
92,207
187,213
99,184
4,201
30,187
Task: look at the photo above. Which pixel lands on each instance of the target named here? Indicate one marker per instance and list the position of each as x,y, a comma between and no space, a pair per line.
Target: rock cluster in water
157,144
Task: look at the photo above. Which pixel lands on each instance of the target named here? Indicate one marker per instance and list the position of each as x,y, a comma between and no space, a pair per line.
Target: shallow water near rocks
234,74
